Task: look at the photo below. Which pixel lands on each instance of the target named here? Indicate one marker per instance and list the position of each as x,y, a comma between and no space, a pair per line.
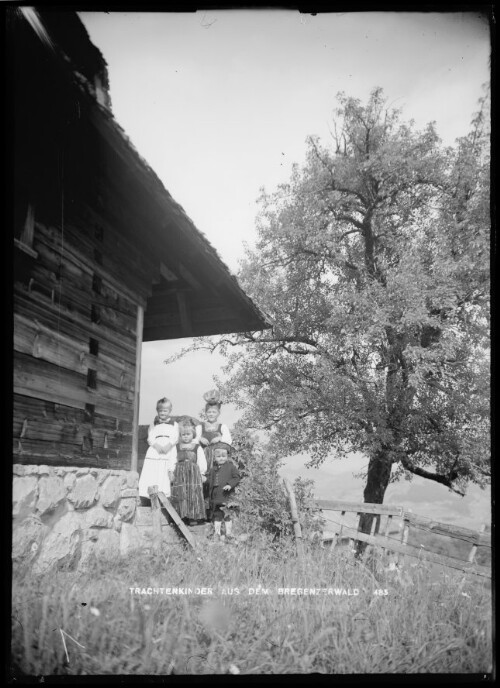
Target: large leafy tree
372,263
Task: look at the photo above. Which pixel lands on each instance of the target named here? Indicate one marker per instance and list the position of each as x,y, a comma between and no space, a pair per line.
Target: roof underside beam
154,334
181,313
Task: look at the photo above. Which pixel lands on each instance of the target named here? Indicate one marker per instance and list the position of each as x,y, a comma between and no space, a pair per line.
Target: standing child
189,474
159,463
211,431
222,479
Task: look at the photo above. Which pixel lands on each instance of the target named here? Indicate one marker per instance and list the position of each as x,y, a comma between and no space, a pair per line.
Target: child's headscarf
212,398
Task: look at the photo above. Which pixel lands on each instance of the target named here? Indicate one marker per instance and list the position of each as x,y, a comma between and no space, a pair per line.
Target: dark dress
218,477
187,489
209,455
209,450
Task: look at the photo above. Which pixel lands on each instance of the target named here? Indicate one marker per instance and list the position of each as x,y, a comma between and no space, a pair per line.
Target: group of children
191,464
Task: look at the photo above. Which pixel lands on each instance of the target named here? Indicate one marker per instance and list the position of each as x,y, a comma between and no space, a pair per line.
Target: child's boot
217,527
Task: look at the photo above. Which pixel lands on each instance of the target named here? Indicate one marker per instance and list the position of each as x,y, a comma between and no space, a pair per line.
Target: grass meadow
402,620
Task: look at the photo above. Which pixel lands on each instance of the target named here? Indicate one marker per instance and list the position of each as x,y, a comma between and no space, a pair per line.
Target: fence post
295,518
404,536
155,515
339,536
352,541
406,531
386,555
371,549
472,553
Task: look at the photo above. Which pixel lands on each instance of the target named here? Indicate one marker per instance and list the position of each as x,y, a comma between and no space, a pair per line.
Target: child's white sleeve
198,434
151,434
175,434
225,434
201,461
172,458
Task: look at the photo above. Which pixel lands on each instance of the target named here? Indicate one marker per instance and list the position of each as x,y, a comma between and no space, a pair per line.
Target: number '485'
381,592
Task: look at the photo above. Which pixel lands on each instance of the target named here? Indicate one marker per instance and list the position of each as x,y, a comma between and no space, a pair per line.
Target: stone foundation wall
64,515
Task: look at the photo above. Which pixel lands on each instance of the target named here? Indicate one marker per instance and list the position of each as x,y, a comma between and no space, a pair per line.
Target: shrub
261,498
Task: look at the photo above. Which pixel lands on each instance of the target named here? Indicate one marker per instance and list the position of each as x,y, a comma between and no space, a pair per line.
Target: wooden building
104,257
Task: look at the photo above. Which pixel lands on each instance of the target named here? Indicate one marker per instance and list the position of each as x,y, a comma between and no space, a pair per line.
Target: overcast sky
220,103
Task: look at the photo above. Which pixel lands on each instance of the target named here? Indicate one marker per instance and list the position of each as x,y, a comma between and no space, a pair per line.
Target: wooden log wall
75,319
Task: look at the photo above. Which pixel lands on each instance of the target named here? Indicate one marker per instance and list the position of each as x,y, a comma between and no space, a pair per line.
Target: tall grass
418,626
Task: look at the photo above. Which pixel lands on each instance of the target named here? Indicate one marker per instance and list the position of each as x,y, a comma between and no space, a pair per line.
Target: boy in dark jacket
222,479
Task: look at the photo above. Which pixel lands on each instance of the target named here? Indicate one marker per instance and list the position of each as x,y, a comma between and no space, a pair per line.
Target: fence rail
406,519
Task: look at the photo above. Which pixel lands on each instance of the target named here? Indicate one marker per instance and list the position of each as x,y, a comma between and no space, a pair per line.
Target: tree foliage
373,265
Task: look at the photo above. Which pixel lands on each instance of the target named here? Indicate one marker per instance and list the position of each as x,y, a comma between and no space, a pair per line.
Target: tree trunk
377,480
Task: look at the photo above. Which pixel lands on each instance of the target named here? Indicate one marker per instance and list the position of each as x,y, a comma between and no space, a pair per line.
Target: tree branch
334,185
436,477
356,223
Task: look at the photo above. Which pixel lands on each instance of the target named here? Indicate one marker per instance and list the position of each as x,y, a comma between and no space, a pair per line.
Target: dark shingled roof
71,42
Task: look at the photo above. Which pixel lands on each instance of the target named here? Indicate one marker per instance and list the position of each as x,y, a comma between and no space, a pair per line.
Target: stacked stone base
65,516
141,531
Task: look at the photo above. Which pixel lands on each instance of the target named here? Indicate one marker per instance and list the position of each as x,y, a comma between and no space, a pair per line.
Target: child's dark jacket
218,477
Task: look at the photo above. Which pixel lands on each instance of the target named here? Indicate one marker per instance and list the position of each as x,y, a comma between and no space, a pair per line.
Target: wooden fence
390,530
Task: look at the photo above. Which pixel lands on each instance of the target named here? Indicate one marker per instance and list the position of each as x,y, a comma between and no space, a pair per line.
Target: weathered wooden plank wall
55,434
75,347
41,309
37,340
